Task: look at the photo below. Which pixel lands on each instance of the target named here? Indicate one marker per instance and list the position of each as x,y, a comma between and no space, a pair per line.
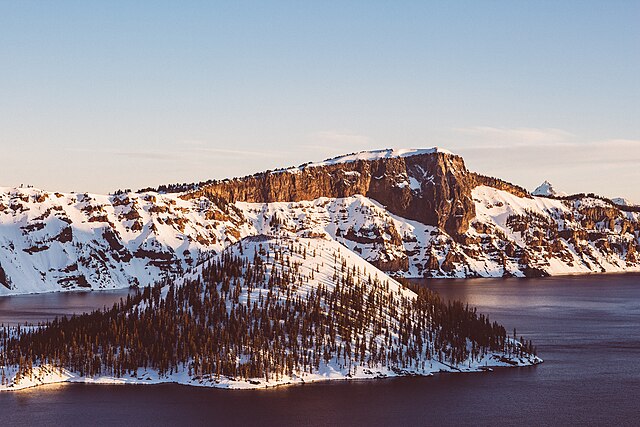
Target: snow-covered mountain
546,189
411,213
623,201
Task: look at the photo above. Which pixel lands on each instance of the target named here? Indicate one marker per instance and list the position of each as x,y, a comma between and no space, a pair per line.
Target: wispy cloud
193,142
136,155
184,149
143,155
611,152
340,138
548,146
574,164
234,153
566,154
502,135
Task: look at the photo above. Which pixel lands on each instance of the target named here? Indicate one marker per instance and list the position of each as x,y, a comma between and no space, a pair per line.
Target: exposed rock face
433,188
3,278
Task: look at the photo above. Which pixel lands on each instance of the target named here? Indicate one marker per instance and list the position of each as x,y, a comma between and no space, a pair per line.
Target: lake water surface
587,328
36,308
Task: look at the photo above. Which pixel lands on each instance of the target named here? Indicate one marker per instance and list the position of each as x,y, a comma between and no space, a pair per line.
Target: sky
96,96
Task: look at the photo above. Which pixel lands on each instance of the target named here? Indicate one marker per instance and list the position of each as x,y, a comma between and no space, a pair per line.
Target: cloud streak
544,146
233,153
567,154
185,149
517,135
142,155
610,167
341,138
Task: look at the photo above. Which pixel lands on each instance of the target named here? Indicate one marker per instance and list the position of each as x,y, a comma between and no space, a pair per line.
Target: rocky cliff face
430,186
411,213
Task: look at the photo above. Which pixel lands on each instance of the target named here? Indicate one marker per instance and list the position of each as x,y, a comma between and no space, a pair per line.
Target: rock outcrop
433,187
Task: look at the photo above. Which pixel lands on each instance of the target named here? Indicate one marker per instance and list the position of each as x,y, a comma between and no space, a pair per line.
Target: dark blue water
586,328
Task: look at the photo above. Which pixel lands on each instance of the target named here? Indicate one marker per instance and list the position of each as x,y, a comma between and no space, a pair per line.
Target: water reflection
36,308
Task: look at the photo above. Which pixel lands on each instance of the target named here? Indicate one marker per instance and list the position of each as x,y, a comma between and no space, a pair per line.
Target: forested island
266,311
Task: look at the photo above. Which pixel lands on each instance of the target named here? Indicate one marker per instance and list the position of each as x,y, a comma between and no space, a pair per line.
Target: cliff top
371,155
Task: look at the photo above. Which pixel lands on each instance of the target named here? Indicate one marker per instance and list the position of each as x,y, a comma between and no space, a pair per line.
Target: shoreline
51,376
443,278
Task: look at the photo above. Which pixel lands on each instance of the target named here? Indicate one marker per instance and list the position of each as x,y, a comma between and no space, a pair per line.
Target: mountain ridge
420,214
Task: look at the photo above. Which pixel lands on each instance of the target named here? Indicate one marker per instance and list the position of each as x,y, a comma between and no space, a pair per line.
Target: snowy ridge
370,156
53,241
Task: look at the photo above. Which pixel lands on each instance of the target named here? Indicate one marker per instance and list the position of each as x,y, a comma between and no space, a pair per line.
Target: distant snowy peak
623,202
546,189
387,153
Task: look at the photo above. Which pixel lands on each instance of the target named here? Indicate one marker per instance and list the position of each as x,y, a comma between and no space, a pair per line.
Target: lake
586,328
36,308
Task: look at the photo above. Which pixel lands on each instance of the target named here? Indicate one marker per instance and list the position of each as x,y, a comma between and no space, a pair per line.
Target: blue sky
96,96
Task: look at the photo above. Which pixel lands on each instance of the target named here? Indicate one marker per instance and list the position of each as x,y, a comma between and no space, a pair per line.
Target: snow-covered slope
540,236
53,241
510,235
